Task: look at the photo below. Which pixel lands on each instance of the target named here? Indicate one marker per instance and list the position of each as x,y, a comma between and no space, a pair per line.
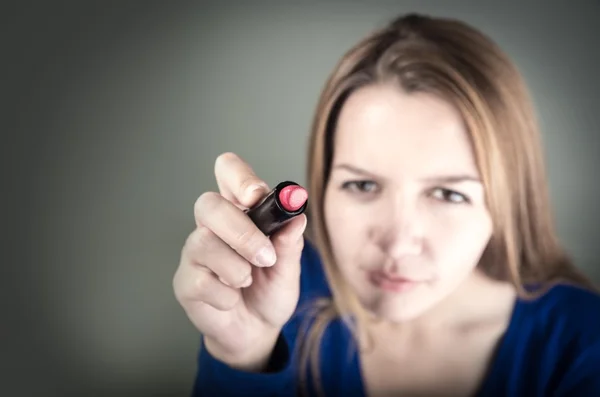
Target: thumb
288,243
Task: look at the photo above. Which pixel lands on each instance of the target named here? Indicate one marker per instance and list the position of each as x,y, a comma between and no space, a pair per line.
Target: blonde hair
460,64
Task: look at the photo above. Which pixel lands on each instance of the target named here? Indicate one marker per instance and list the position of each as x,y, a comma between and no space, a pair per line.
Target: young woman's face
404,206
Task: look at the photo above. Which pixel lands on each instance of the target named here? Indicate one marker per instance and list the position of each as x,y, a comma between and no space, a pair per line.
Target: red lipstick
286,201
292,197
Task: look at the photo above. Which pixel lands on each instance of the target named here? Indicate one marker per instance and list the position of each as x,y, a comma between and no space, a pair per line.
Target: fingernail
247,282
266,256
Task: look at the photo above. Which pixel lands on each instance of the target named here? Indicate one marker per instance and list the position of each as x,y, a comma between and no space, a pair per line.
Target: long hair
460,64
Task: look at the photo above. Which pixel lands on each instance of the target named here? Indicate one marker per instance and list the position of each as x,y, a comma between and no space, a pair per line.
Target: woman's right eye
360,187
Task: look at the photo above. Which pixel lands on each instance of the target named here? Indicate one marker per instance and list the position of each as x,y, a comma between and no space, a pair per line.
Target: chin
396,308
396,313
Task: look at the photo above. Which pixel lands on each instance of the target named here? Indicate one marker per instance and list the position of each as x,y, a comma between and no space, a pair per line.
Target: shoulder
568,311
559,335
564,294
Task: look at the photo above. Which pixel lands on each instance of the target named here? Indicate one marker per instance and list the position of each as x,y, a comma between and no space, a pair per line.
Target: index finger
233,227
237,181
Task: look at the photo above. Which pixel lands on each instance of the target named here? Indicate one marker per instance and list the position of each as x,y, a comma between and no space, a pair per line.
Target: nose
401,231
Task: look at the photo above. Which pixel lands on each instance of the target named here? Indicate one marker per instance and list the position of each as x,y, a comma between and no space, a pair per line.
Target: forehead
385,130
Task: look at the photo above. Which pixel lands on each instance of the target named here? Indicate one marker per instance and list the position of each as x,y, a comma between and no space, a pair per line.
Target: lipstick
286,201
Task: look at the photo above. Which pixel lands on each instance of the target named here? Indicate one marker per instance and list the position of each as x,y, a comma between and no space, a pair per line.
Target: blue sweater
551,348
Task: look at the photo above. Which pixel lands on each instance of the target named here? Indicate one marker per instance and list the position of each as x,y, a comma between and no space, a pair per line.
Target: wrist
255,358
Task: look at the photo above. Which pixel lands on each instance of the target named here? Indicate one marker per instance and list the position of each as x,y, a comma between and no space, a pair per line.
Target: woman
433,267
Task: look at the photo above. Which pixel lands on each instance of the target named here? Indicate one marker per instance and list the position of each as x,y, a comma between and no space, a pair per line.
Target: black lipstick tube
269,215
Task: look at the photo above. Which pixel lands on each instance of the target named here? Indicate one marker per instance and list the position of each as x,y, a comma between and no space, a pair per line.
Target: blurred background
115,113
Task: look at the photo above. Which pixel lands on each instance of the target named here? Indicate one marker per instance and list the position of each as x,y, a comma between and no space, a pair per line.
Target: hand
237,286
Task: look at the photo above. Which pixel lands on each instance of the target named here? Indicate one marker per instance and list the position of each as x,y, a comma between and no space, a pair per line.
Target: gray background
115,112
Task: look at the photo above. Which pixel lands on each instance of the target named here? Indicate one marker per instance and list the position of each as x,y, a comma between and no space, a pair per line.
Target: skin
405,200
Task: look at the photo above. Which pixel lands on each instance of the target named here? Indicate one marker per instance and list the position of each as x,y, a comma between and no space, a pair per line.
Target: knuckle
229,303
190,241
198,244
200,284
223,160
244,272
234,273
176,286
207,202
250,238
202,238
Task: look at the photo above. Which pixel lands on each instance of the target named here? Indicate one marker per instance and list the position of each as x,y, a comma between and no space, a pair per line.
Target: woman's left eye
450,196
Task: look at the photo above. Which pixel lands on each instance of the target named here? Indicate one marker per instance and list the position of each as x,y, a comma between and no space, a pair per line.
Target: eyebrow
439,179
453,179
355,170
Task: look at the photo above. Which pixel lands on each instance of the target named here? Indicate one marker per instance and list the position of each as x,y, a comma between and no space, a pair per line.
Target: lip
391,283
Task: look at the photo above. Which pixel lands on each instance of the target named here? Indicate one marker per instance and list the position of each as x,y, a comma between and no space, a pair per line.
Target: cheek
458,240
342,217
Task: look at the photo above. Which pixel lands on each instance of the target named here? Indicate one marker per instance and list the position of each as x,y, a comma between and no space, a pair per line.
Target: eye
359,186
449,196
